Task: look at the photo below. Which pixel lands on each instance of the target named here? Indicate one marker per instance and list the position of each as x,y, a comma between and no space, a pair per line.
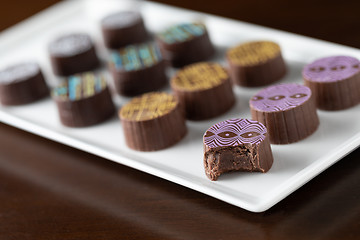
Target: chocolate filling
228,159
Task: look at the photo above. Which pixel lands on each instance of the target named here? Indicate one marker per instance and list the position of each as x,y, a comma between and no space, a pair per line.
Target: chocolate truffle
334,81
152,121
186,43
83,100
287,110
254,64
73,53
204,89
236,145
137,69
21,84
123,28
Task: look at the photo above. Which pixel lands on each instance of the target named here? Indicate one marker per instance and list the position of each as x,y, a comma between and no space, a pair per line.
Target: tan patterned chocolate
200,76
253,53
148,106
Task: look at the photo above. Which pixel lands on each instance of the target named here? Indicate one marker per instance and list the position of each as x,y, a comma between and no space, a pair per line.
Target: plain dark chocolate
73,53
21,84
123,28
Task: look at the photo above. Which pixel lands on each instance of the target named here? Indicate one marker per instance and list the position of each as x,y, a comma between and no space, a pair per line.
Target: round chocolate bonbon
73,53
83,100
335,81
22,83
256,63
287,110
137,69
236,145
204,89
185,43
123,28
152,121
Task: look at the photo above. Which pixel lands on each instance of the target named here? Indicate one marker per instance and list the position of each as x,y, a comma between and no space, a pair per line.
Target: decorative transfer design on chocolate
280,97
182,32
253,53
200,76
331,69
70,45
135,57
121,19
80,86
18,72
234,132
148,106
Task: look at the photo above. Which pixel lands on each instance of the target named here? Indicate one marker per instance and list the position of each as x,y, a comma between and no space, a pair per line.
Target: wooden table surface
51,191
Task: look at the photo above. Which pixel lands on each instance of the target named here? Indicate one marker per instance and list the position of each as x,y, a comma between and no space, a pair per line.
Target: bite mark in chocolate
236,145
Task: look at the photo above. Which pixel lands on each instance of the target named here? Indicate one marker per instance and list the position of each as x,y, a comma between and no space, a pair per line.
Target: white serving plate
294,165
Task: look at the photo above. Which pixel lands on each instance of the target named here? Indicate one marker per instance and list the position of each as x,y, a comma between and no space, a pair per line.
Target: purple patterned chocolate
235,132
280,97
331,69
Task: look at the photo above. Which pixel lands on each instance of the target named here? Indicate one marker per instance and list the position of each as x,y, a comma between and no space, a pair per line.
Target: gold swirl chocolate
148,106
200,76
253,53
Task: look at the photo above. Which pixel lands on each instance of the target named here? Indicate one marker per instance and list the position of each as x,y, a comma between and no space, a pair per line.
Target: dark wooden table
51,191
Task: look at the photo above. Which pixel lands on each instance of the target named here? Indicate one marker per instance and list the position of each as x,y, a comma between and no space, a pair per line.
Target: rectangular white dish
294,164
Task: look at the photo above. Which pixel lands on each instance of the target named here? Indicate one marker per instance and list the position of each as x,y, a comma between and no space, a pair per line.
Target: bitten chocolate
335,82
204,89
257,63
186,43
152,121
83,100
137,69
21,84
236,145
73,53
123,28
287,110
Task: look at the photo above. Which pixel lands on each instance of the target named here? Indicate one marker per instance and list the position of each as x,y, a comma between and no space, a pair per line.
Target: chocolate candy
287,110
21,84
152,121
185,44
255,64
204,89
335,82
83,100
236,145
73,53
137,69
123,28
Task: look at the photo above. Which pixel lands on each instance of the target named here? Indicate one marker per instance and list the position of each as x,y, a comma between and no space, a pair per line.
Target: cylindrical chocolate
152,121
204,89
287,110
137,69
21,84
73,53
123,28
335,82
83,100
254,64
186,43
236,145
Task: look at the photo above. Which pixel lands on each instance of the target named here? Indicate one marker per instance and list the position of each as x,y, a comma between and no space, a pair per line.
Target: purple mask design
331,69
234,132
280,97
